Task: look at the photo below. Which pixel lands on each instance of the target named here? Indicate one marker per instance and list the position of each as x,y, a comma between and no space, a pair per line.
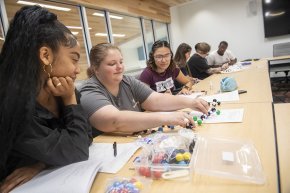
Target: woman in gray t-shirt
114,102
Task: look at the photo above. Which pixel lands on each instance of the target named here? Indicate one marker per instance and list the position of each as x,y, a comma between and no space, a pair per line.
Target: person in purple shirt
161,71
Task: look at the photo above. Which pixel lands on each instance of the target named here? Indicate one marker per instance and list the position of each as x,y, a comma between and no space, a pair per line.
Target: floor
280,90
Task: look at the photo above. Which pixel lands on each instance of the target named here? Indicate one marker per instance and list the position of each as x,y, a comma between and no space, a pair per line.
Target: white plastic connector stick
175,174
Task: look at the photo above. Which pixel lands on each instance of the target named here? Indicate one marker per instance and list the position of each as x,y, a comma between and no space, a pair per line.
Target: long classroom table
257,126
282,121
254,79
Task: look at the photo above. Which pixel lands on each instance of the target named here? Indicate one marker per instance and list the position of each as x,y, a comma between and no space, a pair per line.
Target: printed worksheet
193,95
225,116
234,68
223,97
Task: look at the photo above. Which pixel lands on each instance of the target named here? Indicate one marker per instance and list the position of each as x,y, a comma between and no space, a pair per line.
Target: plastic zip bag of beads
169,157
134,184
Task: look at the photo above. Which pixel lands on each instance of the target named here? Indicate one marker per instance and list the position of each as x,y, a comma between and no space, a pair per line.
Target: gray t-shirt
132,94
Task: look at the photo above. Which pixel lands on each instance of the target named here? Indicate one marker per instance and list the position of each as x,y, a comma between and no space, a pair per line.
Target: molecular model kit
213,111
198,119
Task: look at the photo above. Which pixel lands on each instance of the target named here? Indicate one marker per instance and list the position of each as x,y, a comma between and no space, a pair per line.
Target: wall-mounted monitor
276,14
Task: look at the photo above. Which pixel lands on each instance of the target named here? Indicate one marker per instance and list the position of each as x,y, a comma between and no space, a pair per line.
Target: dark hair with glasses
159,44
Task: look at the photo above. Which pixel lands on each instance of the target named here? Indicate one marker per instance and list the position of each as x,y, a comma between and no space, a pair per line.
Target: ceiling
172,3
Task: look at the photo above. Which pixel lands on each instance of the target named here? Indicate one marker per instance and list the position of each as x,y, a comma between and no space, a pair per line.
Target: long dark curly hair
159,44
20,70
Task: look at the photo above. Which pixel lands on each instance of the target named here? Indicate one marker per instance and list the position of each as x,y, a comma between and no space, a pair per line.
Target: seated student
198,64
181,56
114,101
221,56
161,71
42,123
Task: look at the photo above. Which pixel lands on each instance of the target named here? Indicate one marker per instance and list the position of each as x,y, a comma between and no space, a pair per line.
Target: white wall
231,20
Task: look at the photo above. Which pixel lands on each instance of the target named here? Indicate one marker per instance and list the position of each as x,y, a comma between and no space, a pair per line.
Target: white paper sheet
104,152
193,95
234,68
78,177
223,97
73,178
226,116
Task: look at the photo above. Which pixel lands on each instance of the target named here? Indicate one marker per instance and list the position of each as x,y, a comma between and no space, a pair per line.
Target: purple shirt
159,82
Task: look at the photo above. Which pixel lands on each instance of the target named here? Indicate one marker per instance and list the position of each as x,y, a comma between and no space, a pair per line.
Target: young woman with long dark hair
41,122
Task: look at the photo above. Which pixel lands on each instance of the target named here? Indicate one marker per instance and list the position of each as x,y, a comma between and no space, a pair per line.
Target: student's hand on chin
61,86
20,176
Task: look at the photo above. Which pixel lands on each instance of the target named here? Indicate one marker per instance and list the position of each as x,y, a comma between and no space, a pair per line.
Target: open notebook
78,177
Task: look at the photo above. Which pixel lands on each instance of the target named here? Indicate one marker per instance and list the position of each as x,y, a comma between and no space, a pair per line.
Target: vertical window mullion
109,27
86,33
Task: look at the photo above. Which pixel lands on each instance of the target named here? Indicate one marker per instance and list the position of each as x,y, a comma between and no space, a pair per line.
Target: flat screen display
276,14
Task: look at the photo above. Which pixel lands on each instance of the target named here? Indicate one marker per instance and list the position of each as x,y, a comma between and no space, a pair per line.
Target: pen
115,148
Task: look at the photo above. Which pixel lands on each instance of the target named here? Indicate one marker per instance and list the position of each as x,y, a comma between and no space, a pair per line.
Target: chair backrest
281,49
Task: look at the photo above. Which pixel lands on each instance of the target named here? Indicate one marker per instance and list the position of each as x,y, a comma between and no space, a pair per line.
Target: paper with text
193,95
223,97
234,68
226,116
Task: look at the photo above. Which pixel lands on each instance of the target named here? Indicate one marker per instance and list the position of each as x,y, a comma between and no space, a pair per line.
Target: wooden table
257,126
255,80
282,112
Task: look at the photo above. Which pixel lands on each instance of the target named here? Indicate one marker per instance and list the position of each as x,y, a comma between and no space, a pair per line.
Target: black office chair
286,78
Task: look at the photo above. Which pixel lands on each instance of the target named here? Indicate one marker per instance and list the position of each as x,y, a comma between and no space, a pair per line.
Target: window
97,26
160,31
148,35
126,32
69,16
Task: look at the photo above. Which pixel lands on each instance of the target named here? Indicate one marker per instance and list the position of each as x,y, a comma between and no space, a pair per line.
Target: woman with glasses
198,65
161,71
114,102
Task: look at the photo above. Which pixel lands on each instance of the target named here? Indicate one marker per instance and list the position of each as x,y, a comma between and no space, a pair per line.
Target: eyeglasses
165,57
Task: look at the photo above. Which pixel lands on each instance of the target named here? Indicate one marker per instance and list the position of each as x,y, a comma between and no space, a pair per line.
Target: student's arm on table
111,119
186,81
217,70
233,61
159,102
